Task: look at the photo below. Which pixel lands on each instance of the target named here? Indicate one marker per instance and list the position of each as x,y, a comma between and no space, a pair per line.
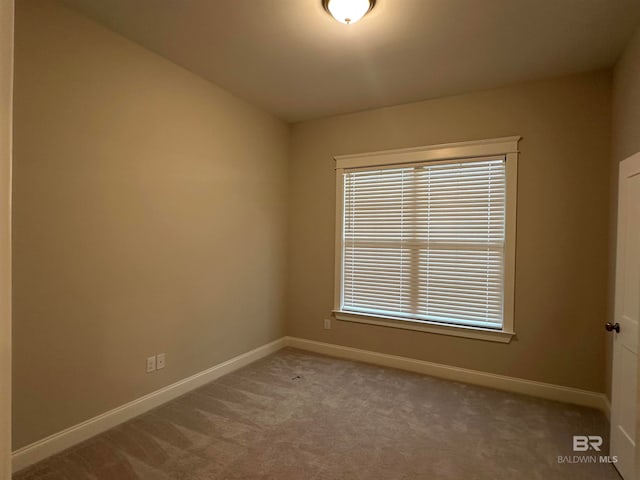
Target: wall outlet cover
151,364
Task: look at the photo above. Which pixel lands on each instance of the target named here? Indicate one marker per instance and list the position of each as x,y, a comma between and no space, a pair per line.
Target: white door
627,316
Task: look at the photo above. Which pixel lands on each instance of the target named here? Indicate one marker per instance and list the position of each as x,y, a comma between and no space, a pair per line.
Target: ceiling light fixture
348,11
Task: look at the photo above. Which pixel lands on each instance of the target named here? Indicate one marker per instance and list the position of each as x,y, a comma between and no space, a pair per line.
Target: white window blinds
426,242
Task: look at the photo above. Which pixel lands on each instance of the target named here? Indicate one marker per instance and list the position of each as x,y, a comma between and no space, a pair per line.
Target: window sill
500,336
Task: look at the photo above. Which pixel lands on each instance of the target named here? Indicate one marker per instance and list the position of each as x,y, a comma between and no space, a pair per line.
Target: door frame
6,118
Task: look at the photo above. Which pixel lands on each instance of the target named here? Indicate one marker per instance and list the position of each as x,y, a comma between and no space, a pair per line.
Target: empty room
319,239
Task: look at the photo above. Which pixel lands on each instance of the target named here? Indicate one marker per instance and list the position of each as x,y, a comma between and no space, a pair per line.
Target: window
426,238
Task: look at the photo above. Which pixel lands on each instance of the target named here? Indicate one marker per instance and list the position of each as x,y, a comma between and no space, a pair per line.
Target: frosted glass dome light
348,11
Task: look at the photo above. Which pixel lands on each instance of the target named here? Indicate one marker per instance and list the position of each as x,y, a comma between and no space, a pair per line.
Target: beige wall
6,65
561,277
149,216
626,101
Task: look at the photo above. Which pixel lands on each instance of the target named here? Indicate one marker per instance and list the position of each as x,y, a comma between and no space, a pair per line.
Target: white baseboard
501,382
60,441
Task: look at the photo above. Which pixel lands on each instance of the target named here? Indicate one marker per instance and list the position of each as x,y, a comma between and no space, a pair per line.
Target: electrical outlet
160,361
327,324
151,364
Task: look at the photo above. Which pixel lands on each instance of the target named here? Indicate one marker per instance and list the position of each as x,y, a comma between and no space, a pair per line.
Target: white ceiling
292,59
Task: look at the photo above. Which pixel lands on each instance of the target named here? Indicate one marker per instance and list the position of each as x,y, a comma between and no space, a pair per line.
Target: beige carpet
296,415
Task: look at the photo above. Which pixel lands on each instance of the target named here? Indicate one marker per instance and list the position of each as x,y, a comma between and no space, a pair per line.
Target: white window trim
507,147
